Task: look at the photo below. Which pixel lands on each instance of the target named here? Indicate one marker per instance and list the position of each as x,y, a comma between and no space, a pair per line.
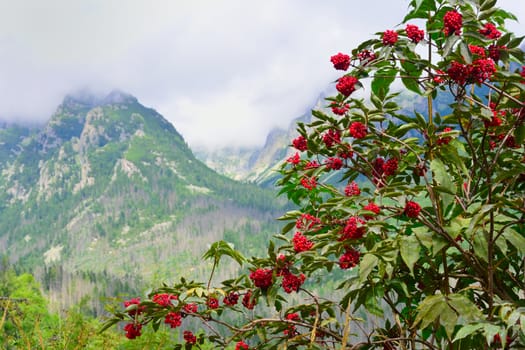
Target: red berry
412,209
262,278
452,21
346,85
340,61
174,319
490,31
301,243
357,130
349,259
189,337
389,37
414,33
133,330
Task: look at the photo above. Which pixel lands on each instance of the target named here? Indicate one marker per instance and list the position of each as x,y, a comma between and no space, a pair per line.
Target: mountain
259,164
107,196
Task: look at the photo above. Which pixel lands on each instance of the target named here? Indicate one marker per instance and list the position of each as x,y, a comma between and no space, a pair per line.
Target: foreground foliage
418,216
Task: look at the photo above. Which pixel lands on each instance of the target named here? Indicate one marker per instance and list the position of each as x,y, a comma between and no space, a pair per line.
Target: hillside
107,189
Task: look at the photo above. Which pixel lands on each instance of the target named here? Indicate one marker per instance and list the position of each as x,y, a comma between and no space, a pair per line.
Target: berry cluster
477,72
262,278
412,209
133,330
358,130
164,299
331,137
349,259
414,33
301,243
490,31
352,189
300,143
452,22
346,85
174,319
340,61
390,37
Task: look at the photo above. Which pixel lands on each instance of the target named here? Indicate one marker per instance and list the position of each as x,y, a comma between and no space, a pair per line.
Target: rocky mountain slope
109,190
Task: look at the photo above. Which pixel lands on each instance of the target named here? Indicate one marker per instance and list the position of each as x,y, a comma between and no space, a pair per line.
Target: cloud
223,72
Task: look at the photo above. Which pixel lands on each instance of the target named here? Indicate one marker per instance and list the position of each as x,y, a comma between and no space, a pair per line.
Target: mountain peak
87,99
80,99
118,97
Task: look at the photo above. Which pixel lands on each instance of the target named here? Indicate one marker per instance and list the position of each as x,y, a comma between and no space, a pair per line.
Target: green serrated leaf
487,13
109,323
429,310
448,318
467,330
464,307
412,84
367,264
409,248
382,80
449,44
481,246
488,5
465,52
516,239
443,178
515,42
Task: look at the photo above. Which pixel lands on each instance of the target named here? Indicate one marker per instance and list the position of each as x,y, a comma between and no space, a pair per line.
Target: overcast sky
223,72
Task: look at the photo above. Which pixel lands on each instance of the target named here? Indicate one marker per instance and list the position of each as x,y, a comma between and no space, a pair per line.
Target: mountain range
107,197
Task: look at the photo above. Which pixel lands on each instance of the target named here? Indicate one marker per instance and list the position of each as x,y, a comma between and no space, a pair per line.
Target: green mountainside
107,195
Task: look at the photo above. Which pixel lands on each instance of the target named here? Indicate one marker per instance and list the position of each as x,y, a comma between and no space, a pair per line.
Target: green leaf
516,239
465,52
424,236
515,42
109,323
488,5
467,330
403,129
464,307
421,119
448,318
449,44
490,330
481,246
430,309
411,84
288,227
366,266
320,115
479,216
220,248
487,13
519,134
421,9
452,152
372,296
444,180
409,248
382,80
